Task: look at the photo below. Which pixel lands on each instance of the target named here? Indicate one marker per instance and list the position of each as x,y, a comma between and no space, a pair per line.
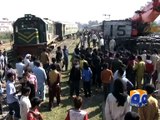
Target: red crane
145,16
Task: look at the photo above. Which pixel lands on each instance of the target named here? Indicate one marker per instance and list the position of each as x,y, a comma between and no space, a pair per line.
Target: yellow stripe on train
26,36
27,40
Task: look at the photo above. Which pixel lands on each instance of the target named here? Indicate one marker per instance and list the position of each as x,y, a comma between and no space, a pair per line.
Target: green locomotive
32,34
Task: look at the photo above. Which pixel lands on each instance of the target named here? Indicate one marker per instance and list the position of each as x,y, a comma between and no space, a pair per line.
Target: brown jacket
44,58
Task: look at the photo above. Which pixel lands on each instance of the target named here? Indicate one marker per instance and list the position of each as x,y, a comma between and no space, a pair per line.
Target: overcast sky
71,10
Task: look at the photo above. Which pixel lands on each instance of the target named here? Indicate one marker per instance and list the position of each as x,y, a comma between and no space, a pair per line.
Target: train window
28,24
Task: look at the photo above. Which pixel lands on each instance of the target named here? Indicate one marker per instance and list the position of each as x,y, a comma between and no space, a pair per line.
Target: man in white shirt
20,66
112,45
101,43
144,54
25,104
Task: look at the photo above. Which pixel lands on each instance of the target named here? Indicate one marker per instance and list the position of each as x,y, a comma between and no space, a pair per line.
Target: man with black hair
106,78
12,99
25,104
128,84
54,86
150,111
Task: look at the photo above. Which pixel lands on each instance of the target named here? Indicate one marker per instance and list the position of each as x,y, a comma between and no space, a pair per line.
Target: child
76,113
25,104
34,113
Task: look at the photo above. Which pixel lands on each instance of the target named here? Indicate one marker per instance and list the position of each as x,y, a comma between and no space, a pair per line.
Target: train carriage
65,30
32,34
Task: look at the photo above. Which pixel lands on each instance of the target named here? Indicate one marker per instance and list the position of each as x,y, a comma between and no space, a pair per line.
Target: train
32,34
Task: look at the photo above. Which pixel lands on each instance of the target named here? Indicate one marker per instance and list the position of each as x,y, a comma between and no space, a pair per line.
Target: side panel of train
65,30
32,32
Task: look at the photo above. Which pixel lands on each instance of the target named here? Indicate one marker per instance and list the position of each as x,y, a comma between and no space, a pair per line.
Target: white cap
28,55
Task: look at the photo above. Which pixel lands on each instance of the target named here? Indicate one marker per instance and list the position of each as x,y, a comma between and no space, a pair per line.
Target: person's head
65,47
26,91
105,66
53,67
149,88
120,71
118,92
10,76
59,48
85,65
144,52
148,57
155,51
139,58
77,102
118,86
35,102
131,116
9,65
28,70
28,56
33,58
53,60
20,59
37,63
82,56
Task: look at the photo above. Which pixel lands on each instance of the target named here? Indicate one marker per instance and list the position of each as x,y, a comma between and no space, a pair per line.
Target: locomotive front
30,35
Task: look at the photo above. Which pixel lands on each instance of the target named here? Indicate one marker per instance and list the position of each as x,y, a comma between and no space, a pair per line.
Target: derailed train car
32,34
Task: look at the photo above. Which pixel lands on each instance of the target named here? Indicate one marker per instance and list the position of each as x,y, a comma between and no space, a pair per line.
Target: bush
5,35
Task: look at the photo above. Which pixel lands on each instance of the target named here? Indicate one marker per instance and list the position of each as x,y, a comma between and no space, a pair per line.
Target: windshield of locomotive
28,24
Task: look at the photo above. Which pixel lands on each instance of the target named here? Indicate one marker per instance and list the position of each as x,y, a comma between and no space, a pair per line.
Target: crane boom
148,13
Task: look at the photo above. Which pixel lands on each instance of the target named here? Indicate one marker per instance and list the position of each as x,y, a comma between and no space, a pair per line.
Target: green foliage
5,35
154,23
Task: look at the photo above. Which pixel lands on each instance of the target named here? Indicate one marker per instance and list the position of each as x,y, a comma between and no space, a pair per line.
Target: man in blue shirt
41,79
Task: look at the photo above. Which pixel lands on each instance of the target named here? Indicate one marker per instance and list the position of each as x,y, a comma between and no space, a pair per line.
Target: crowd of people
116,73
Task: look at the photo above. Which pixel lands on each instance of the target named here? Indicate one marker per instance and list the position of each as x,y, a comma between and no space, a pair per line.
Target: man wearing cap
27,59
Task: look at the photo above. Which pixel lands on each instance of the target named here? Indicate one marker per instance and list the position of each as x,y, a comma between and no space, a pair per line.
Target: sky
71,10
